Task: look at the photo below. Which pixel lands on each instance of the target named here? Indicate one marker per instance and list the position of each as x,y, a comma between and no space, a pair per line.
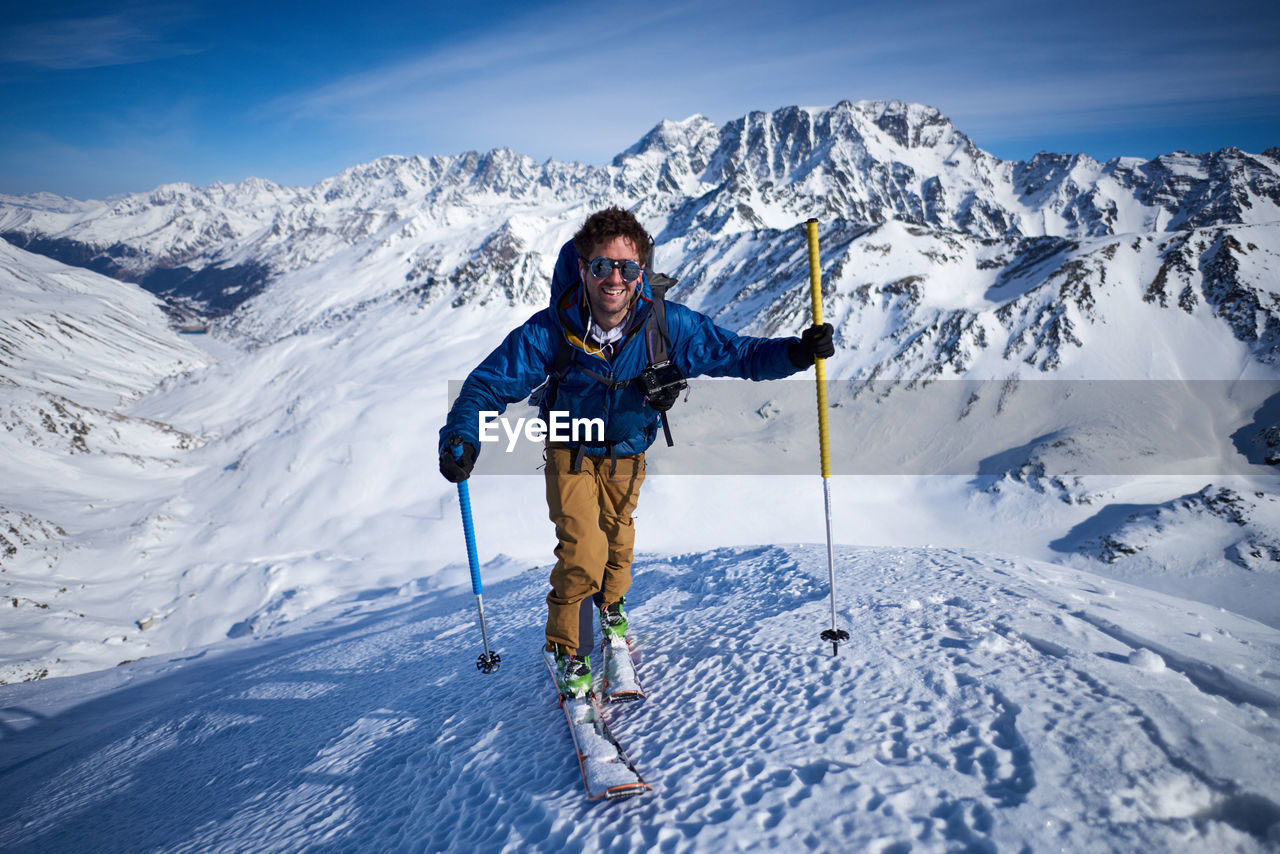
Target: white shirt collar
601,336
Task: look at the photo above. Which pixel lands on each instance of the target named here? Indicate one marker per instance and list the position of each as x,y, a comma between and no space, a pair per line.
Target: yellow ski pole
833,634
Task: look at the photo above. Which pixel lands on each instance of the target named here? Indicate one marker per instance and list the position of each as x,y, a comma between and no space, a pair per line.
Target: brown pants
592,511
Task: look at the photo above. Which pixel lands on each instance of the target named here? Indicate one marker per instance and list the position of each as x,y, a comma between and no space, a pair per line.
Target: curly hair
608,224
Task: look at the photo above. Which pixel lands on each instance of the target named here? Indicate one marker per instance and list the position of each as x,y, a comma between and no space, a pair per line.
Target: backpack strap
656,335
545,396
659,284
658,338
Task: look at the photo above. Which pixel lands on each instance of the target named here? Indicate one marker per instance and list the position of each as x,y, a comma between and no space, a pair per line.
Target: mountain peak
908,124
669,136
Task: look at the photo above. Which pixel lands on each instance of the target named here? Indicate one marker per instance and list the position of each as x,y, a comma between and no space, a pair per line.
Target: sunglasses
603,267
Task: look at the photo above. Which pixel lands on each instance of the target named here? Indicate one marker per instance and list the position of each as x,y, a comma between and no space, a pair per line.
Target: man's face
610,297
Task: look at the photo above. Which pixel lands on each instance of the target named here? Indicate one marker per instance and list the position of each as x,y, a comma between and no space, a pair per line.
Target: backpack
661,381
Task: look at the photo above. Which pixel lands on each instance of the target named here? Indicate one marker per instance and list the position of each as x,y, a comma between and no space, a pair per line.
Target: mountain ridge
868,162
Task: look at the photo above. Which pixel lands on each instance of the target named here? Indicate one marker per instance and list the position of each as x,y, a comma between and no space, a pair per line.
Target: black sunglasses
603,267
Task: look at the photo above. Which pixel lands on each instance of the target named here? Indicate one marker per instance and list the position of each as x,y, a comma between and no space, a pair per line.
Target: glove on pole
488,661
833,634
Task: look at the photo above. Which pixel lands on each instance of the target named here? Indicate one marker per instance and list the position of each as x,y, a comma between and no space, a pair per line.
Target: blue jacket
521,363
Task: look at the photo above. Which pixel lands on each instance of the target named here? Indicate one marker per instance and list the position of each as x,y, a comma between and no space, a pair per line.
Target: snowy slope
983,704
65,331
77,349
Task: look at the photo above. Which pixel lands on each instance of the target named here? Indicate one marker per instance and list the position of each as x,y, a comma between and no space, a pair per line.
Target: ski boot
573,674
613,622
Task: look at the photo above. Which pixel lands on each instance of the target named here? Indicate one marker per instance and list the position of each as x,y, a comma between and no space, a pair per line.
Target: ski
607,773
621,683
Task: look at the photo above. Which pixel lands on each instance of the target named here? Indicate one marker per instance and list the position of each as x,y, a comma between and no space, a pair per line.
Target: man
593,486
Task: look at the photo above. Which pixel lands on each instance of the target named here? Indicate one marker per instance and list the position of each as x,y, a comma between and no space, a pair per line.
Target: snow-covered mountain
299,467
478,227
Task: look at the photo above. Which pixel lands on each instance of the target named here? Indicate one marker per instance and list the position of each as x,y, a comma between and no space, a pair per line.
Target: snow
618,673
69,332
1145,659
982,703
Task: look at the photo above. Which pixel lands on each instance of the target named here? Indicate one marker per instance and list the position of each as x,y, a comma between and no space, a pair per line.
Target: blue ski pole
488,661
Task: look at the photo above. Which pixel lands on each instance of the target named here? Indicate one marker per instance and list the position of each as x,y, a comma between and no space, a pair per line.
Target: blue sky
97,99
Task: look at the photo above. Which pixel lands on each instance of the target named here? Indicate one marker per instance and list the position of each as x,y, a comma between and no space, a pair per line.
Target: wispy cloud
559,84
121,38
571,85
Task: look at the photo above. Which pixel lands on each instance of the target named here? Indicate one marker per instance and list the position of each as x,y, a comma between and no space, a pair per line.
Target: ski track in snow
982,704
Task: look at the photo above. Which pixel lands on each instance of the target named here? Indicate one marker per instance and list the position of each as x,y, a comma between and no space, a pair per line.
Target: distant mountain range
927,238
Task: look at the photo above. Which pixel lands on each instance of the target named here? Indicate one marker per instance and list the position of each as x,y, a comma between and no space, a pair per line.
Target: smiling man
591,355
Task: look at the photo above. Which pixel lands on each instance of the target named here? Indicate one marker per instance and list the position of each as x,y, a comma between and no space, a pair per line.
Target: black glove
663,400
815,342
457,470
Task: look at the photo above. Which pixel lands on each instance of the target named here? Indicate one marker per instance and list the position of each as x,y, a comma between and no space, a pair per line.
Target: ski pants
591,509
